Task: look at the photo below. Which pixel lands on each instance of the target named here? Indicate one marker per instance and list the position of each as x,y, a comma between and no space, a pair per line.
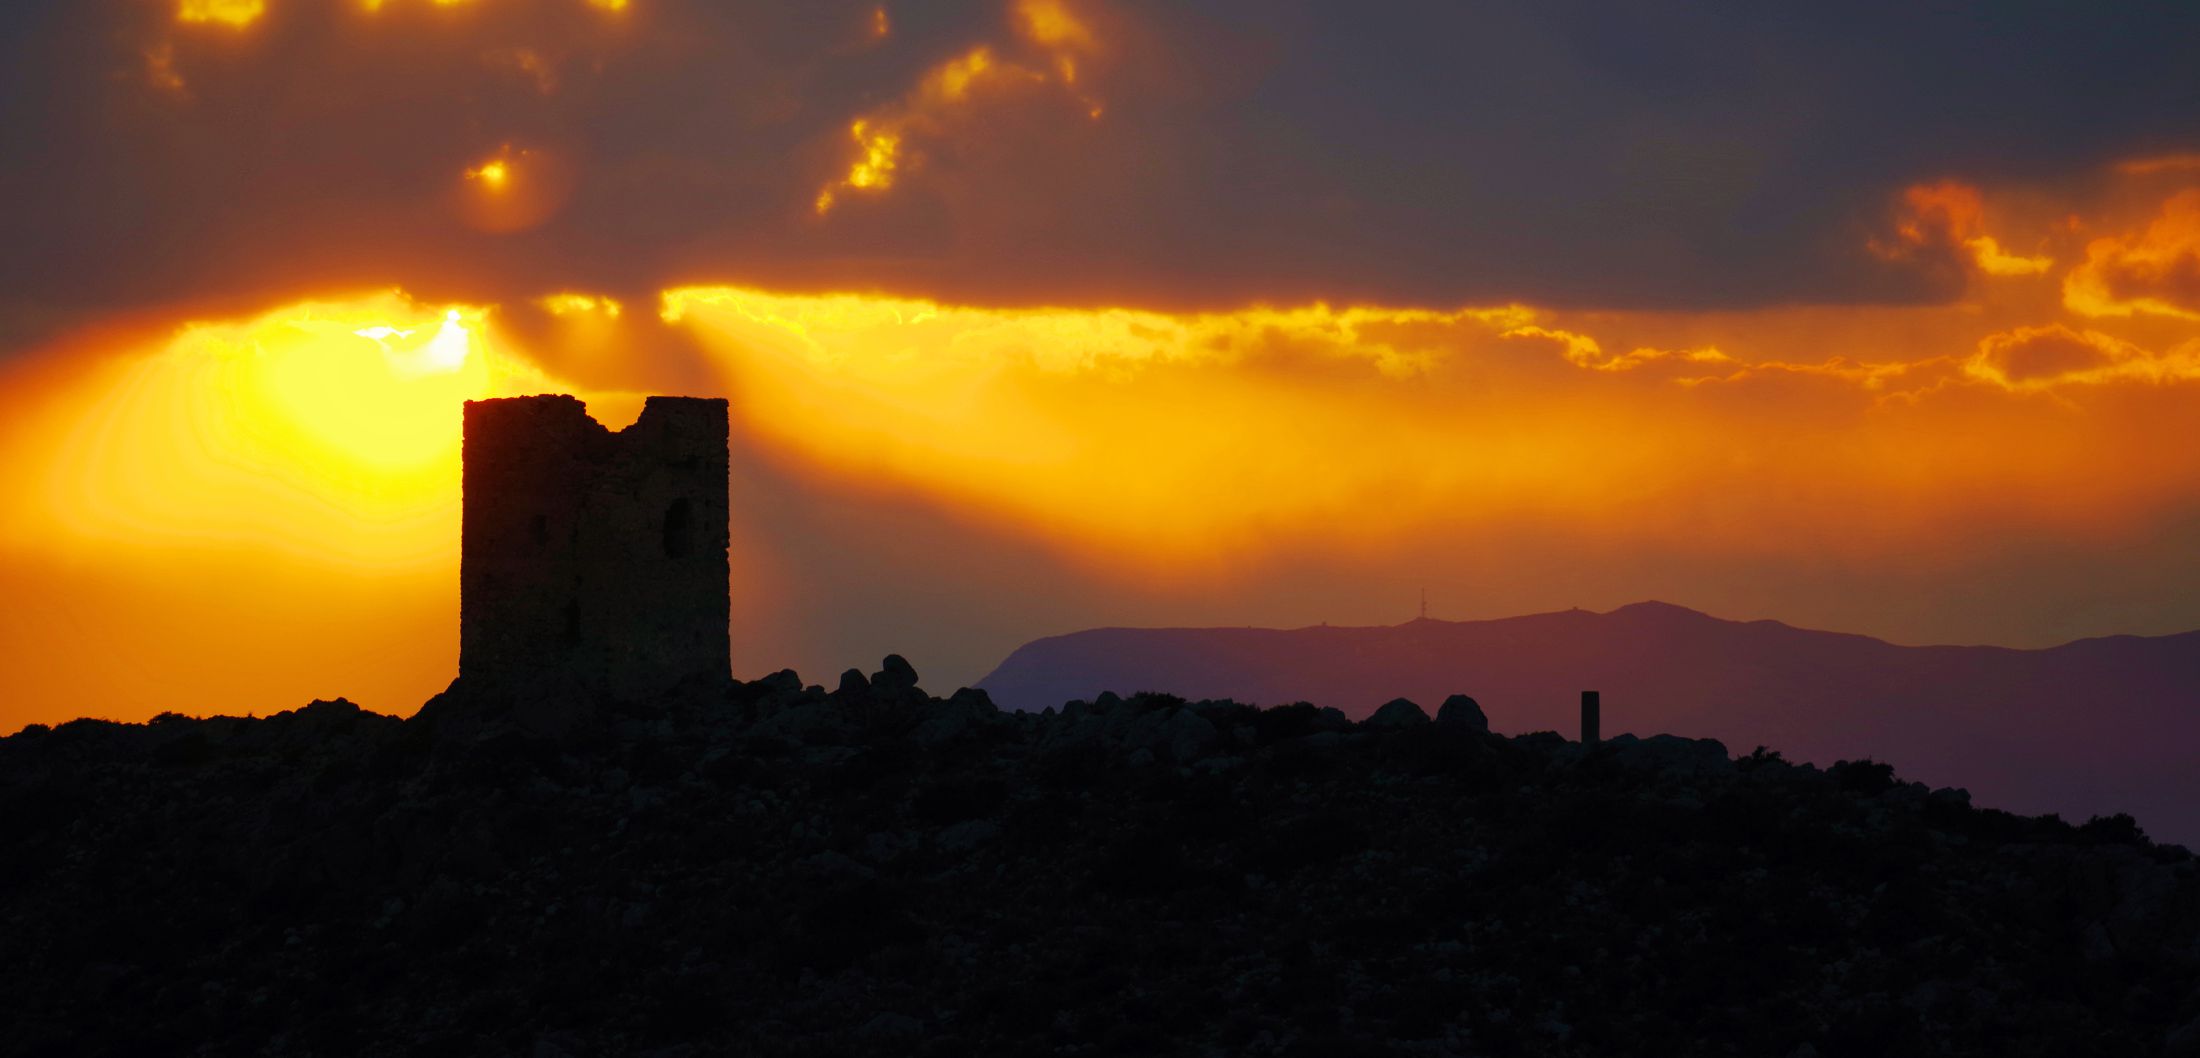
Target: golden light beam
1187,444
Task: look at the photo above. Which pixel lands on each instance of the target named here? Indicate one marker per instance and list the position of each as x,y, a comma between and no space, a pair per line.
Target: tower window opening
680,529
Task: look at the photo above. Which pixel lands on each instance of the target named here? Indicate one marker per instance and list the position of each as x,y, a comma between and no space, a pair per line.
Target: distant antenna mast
1424,604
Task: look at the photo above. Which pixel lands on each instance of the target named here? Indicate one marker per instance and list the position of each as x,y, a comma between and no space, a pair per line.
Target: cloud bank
1072,152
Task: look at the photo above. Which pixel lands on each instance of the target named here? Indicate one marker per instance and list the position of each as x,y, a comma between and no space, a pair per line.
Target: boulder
1462,711
1397,713
808,719
958,717
895,675
1186,735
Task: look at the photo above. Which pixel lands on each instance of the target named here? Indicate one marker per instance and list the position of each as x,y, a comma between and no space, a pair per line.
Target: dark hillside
779,870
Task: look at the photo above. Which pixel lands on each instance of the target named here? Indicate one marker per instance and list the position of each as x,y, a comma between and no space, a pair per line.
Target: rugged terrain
774,869
2095,727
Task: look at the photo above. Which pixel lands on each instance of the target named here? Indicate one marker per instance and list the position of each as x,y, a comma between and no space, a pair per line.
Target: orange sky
239,491
244,512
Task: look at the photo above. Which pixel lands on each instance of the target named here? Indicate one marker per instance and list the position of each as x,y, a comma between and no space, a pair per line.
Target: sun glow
323,429
265,504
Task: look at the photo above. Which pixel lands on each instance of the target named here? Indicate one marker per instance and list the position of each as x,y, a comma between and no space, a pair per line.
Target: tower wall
589,558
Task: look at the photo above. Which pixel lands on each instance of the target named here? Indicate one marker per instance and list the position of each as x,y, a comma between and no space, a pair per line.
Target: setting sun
266,429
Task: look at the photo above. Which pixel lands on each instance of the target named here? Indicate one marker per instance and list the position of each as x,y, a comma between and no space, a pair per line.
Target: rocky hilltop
779,869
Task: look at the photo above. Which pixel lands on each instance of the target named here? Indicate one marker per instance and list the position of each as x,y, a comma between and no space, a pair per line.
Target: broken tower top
592,559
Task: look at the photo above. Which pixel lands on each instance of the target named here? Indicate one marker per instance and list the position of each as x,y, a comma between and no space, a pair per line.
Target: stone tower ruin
591,560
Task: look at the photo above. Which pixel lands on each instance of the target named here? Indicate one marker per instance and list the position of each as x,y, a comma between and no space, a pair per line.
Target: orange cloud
2041,358
2166,163
237,13
569,304
160,69
373,6
528,63
1948,218
2037,357
2153,272
884,138
1051,24
1991,259
1585,351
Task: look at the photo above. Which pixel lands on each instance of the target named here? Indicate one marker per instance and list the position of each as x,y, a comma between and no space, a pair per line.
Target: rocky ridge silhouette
781,869
2094,727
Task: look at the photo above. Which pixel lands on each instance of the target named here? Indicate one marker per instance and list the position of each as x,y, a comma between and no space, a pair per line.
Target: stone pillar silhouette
1591,705
593,561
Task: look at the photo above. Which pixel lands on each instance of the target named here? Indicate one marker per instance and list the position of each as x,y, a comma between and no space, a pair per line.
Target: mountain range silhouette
2092,727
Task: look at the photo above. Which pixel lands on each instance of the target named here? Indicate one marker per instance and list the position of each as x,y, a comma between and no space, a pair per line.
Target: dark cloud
1559,153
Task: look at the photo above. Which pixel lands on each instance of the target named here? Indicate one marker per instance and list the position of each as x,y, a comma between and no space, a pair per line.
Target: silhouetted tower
1590,707
591,559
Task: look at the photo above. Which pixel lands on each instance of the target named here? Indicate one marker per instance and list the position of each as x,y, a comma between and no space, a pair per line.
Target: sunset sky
1038,315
